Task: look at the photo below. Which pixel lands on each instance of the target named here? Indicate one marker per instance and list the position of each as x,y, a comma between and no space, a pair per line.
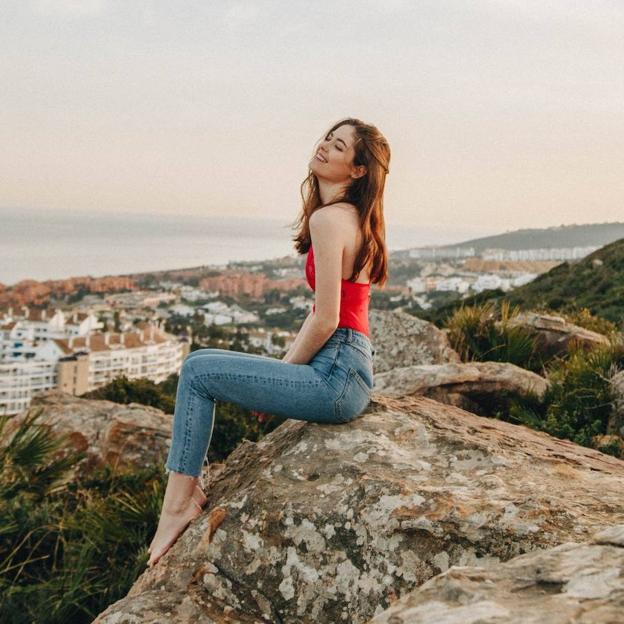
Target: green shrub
483,332
584,318
580,398
68,548
143,391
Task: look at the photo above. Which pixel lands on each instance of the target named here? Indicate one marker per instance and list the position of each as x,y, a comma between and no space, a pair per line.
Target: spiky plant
33,459
484,332
581,398
68,548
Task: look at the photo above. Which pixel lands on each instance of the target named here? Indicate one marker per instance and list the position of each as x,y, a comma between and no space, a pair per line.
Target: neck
329,190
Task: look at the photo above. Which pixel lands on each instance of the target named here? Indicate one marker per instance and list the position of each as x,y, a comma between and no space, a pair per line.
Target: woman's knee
188,364
198,353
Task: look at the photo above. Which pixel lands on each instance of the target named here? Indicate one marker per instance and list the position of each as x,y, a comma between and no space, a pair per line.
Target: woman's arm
311,337
326,231
297,339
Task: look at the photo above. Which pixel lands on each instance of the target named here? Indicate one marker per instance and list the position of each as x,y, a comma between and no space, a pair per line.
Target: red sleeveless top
353,299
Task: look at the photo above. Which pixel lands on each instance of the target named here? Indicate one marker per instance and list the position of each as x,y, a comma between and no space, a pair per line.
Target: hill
588,235
596,282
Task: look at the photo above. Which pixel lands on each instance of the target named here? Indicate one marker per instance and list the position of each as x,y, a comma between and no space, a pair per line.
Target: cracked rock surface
570,583
109,433
334,523
456,383
400,339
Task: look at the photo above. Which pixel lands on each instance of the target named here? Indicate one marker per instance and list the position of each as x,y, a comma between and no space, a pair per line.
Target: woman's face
333,159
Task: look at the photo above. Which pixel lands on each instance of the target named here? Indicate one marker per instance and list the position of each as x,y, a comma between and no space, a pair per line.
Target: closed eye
327,138
336,146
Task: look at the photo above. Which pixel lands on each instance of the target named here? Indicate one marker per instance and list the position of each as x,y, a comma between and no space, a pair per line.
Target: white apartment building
78,363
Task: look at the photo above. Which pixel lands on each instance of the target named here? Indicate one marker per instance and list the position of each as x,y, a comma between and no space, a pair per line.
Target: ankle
179,493
177,507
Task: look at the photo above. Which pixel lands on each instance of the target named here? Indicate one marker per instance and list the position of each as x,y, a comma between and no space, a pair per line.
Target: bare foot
199,496
200,500
170,526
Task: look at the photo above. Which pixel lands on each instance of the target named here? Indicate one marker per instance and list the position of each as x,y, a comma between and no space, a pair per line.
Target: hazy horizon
500,114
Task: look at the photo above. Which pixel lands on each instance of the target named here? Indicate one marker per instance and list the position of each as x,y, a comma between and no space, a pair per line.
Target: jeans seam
245,376
361,381
333,366
357,347
187,427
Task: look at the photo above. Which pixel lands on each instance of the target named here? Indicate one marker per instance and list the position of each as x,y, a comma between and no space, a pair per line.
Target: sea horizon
55,244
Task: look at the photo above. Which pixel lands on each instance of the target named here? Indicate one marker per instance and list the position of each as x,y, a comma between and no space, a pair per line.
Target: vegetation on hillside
580,399
68,548
595,283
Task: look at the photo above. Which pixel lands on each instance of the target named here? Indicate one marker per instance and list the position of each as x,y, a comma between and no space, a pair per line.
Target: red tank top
353,299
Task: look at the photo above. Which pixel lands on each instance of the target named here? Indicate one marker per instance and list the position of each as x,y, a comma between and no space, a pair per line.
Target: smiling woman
327,375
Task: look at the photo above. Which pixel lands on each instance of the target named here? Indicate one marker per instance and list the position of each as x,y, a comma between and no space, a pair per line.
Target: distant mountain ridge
586,235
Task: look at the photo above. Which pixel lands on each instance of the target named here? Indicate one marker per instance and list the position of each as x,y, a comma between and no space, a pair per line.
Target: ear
358,172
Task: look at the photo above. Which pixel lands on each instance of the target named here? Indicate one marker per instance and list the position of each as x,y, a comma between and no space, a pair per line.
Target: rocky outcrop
109,433
333,523
460,384
615,425
400,339
553,334
573,582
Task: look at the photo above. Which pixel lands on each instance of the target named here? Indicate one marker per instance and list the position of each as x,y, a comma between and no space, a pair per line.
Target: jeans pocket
324,361
353,399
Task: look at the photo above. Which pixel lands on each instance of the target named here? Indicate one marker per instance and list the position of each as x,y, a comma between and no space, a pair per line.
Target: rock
110,433
462,379
573,582
400,339
332,523
615,425
554,333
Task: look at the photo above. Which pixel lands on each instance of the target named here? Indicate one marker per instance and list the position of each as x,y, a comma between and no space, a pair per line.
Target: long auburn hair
365,193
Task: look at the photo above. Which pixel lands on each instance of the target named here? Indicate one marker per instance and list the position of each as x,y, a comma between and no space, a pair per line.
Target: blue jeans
334,387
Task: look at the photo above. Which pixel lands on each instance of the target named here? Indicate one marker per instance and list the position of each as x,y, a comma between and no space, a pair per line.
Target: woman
327,374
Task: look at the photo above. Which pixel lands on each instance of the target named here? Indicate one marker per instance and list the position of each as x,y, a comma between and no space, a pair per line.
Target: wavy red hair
365,193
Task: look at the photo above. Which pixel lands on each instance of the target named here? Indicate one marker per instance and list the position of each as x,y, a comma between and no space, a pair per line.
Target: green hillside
596,282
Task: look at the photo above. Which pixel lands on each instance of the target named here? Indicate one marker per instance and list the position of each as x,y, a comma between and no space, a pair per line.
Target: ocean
47,244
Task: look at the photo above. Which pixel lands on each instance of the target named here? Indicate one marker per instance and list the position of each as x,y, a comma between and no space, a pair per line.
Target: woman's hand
261,416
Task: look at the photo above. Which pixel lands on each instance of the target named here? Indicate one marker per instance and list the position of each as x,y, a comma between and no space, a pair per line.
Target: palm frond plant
68,547
485,333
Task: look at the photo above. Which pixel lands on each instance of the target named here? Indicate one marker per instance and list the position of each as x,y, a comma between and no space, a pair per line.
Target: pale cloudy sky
499,113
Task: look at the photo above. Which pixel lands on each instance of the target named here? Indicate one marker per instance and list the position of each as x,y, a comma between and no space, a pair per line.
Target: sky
499,114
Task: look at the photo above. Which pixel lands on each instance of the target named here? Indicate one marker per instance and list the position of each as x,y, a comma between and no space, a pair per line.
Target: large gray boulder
573,582
400,339
459,384
113,434
333,523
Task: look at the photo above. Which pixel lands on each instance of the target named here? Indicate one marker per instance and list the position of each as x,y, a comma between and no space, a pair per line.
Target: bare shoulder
341,218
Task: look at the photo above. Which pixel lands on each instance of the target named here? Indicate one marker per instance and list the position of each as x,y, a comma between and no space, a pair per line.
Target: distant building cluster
546,253
439,253
45,349
464,284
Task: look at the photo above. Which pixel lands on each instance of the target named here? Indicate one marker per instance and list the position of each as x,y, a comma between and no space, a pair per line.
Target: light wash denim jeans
334,387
